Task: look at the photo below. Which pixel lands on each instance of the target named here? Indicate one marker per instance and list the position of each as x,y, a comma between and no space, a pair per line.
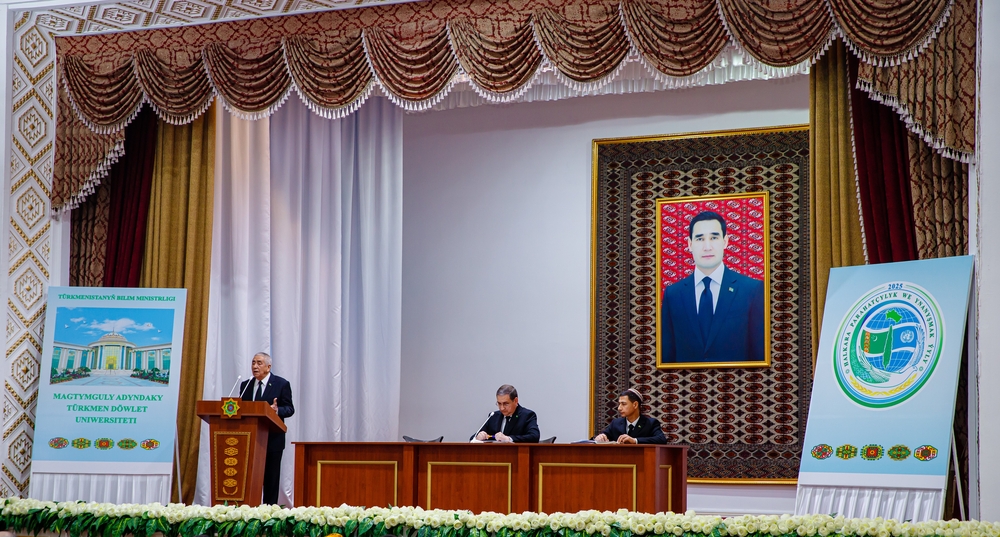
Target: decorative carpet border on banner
739,423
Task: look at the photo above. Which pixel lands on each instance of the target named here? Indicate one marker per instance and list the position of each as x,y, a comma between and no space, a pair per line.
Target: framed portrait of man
712,283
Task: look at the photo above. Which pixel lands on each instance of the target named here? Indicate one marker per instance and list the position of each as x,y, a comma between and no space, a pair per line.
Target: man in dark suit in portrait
715,314
632,427
268,387
513,423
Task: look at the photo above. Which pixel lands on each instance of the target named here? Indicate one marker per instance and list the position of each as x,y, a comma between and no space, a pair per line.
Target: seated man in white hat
632,427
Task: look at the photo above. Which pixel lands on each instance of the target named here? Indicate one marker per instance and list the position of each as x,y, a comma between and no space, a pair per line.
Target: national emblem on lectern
230,408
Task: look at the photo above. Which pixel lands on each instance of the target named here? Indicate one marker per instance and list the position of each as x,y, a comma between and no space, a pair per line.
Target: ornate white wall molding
139,14
28,239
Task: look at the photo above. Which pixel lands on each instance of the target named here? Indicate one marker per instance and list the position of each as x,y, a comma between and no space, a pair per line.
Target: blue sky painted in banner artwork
83,326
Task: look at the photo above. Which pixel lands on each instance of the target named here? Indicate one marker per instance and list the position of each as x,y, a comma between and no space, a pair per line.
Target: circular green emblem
888,345
230,407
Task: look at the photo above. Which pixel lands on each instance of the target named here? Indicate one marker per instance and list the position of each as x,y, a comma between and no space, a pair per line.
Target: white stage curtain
307,265
239,306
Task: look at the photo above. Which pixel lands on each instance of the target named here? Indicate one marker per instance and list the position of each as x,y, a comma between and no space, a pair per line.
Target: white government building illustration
112,354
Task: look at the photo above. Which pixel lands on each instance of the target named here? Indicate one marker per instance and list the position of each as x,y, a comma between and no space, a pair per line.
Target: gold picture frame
727,205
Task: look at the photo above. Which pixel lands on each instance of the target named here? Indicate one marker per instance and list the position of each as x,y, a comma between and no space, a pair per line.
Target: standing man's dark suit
275,388
521,428
646,431
737,330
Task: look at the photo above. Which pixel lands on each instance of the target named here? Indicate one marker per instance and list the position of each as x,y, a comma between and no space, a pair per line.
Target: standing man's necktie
705,308
260,391
631,429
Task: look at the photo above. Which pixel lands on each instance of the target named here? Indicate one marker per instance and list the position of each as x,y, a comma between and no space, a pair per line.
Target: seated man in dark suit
715,314
513,423
632,427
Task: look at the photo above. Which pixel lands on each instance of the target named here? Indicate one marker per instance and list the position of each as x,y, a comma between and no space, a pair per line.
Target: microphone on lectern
235,385
244,390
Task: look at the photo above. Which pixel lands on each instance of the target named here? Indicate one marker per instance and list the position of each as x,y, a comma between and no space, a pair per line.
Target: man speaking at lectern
278,392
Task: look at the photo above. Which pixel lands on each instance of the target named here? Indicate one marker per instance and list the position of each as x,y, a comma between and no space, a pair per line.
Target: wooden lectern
238,433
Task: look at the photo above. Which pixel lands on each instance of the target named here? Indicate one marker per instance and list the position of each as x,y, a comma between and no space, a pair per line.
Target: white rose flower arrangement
177,520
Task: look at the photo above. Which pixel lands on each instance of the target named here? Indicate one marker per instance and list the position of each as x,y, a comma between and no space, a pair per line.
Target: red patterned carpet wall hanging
731,380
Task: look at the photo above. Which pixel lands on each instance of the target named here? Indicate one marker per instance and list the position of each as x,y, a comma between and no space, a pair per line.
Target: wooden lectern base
238,432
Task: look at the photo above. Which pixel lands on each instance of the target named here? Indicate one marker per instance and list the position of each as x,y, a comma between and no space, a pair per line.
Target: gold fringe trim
936,143
92,182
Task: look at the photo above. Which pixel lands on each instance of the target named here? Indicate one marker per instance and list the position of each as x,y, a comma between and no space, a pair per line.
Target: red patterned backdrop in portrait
745,226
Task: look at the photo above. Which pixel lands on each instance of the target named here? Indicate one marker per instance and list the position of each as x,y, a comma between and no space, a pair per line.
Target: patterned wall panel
28,245
137,14
32,139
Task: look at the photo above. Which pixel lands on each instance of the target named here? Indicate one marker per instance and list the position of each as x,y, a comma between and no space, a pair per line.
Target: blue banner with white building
108,390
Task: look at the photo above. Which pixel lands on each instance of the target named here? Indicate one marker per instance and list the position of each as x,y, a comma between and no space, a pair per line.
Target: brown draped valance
82,157
888,31
779,32
935,93
414,51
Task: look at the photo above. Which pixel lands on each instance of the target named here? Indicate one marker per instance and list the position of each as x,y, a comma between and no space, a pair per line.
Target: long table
504,478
